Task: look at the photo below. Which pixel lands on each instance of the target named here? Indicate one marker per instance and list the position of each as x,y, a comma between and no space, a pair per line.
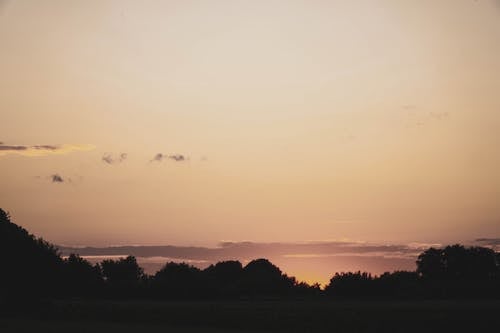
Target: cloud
493,243
158,157
423,246
174,157
13,148
311,261
249,250
45,147
109,159
177,157
56,178
42,150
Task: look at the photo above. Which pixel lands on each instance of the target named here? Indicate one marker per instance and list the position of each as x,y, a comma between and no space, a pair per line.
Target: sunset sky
191,123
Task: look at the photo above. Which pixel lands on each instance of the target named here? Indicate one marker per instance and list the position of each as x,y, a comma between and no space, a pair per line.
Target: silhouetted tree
82,278
261,277
400,284
123,276
225,271
497,256
302,289
357,284
176,280
223,278
469,263
430,264
458,271
457,262
123,270
31,266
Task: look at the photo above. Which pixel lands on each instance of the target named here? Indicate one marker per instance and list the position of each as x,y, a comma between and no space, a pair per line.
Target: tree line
32,267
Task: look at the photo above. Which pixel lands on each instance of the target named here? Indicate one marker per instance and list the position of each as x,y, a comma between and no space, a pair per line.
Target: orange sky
277,121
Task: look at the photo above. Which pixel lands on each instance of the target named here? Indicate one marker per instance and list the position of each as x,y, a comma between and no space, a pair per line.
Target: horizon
376,259
311,262
280,125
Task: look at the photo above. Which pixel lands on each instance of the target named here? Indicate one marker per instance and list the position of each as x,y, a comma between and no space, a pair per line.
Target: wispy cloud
174,157
110,159
423,246
56,178
158,157
489,240
248,250
42,150
493,243
322,259
177,157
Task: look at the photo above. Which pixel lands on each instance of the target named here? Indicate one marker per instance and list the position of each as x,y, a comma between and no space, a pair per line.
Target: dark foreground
253,316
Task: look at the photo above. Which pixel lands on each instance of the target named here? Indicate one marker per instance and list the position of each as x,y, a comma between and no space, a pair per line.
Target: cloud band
42,150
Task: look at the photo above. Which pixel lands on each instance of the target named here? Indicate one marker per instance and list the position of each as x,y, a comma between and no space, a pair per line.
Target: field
255,316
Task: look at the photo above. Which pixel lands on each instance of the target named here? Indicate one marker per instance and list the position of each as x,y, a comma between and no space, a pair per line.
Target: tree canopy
33,267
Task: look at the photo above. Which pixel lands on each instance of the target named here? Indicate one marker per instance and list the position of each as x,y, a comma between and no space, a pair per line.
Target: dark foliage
224,273
458,271
81,277
350,284
261,277
122,272
223,279
451,272
123,277
33,268
457,262
178,280
399,284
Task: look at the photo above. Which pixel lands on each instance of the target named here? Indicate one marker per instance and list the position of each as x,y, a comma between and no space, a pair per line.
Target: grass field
258,316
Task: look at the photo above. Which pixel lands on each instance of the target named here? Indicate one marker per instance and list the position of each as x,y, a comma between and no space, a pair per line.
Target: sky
192,123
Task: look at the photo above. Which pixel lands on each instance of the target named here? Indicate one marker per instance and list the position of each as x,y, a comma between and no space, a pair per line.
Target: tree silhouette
469,263
458,271
223,278
225,271
457,262
82,278
400,284
124,270
32,266
123,276
261,277
430,264
497,257
357,284
178,280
